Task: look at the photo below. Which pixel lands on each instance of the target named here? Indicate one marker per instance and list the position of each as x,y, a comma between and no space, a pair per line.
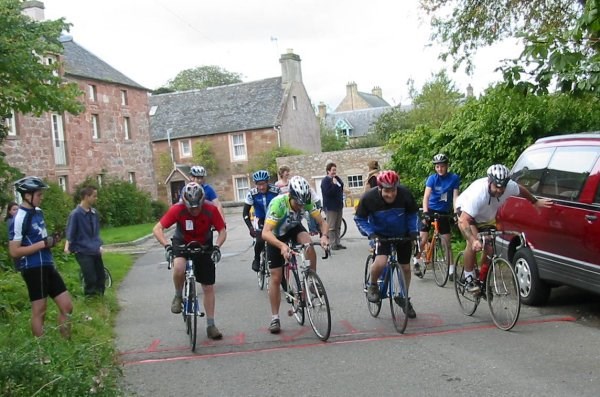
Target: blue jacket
83,231
398,219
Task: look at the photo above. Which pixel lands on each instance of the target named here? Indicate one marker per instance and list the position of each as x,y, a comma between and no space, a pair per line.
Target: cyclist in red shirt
194,218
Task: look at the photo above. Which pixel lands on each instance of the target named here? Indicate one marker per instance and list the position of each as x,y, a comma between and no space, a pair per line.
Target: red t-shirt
193,228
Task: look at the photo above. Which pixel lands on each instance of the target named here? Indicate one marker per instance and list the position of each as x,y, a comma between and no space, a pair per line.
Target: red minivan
564,240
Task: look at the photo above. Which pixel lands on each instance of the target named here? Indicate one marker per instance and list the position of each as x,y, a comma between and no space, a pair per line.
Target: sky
372,43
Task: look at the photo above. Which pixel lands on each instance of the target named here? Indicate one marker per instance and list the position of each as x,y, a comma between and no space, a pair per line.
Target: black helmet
440,158
30,184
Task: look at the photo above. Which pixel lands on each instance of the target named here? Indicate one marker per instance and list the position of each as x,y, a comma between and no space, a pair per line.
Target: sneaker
473,286
275,326
213,332
176,304
343,247
400,302
255,265
373,293
417,268
336,247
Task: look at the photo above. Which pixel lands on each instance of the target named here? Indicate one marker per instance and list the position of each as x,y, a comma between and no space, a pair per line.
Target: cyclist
258,198
284,223
388,211
477,207
193,219
29,243
198,175
441,191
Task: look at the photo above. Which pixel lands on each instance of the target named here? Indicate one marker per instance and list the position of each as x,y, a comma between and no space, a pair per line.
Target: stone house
355,100
238,122
110,138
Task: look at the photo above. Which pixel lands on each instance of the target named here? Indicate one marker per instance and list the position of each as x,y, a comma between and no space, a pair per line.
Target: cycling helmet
260,176
499,175
193,195
197,171
30,184
387,179
299,190
440,158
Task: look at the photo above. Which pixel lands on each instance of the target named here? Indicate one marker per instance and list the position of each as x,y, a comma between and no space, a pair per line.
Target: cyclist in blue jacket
388,211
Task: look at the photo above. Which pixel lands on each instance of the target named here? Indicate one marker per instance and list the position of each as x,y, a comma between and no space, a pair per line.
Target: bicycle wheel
374,308
317,306
503,296
107,278
343,228
440,263
398,294
191,307
261,271
294,296
467,301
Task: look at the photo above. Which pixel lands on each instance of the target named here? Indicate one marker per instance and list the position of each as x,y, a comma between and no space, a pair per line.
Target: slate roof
80,62
373,100
361,120
235,107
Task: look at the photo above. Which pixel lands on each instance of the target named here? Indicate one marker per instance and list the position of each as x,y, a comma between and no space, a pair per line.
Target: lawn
124,234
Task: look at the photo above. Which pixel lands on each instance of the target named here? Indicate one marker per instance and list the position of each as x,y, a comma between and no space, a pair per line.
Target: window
530,166
238,144
126,128
92,94
99,179
343,128
51,60
95,127
355,181
294,103
11,124
185,148
152,111
58,140
124,97
242,185
62,183
132,178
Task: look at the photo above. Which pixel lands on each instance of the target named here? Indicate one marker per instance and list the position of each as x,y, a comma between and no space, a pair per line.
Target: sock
210,321
275,317
451,269
467,274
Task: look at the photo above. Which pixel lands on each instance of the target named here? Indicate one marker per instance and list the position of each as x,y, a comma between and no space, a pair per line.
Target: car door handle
591,218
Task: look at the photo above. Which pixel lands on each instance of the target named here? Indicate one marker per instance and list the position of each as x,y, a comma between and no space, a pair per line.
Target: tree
268,160
331,141
203,77
561,39
27,83
204,156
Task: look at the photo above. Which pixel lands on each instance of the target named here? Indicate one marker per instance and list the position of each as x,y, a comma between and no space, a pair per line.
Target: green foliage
57,206
158,209
203,77
8,175
124,234
203,155
367,141
331,141
267,160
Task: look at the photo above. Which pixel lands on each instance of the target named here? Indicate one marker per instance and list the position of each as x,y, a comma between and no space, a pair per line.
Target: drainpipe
277,129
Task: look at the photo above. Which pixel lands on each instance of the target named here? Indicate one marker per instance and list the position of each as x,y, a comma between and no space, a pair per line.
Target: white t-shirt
477,202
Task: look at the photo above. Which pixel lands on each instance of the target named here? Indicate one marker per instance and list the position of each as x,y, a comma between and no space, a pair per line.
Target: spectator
332,189
372,175
284,178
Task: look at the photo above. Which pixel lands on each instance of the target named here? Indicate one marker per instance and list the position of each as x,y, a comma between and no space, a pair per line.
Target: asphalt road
552,351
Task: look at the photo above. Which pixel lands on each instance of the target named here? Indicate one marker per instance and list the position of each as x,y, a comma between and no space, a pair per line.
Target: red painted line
153,345
346,324
342,342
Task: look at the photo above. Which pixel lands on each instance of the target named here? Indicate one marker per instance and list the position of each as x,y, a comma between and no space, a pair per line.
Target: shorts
274,254
204,266
42,282
444,223
404,251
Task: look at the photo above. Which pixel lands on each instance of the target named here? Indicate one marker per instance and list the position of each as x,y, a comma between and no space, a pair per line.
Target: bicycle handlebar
493,233
297,247
394,239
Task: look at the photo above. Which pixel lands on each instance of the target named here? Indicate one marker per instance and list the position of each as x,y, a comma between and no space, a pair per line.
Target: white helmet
499,175
193,195
197,171
299,190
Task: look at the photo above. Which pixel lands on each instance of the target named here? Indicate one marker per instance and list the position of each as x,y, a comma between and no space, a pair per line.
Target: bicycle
107,279
300,279
500,289
436,255
343,227
391,284
263,274
190,303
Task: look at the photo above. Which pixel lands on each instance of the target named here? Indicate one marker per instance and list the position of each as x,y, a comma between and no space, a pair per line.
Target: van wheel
534,291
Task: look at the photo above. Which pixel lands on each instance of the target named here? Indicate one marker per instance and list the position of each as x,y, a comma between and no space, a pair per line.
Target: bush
158,209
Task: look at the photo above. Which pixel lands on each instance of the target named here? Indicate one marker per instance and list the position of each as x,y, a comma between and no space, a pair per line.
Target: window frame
92,93
124,100
241,191
355,181
11,124
126,128
95,126
234,145
185,153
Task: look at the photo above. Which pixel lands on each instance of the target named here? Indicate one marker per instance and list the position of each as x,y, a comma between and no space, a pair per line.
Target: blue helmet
260,176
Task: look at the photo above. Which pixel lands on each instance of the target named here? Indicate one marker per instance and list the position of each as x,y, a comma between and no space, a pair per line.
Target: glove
253,233
216,254
168,252
414,235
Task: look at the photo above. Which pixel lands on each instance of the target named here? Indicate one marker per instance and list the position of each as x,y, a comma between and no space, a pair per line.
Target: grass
123,234
87,364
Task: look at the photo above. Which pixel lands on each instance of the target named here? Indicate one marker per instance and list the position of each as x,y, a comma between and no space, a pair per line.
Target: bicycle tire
398,295
439,262
343,228
107,278
191,309
261,274
317,305
374,308
503,297
468,302
294,296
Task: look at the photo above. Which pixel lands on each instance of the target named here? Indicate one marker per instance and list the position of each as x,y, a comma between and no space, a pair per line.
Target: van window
567,171
530,167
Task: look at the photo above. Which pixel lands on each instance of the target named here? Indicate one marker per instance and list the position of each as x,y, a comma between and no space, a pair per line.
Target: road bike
305,291
435,254
263,274
313,230
190,306
107,279
391,283
500,287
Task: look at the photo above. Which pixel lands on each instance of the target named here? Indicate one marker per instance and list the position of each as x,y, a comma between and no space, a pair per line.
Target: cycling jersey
477,201
283,218
261,201
442,191
35,231
193,228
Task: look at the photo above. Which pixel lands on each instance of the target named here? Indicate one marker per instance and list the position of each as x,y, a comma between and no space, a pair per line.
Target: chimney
377,92
290,67
33,9
469,91
351,89
322,110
